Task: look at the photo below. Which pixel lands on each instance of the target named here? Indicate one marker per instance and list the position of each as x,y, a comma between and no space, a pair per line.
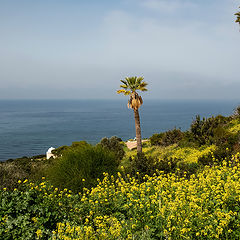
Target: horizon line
114,99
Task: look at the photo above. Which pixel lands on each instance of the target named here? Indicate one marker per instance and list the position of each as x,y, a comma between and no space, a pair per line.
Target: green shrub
187,169
14,169
188,140
222,152
206,160
203,130
167,164
59,151
113,144
142,165
172,136
167,138
222,137
156,139
32,211
80,166
176,165
10,173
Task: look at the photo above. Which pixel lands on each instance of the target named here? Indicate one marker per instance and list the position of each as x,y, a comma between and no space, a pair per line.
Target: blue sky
67,49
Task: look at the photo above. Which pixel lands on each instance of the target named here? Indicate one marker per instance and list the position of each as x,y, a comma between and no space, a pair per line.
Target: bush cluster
167,138
14,169
114,144
58,152
142,165
204,130
81,165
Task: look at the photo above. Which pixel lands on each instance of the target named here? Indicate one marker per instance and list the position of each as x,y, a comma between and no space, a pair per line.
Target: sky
80,49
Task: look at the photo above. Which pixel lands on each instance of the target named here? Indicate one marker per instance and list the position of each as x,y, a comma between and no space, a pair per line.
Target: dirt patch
133,144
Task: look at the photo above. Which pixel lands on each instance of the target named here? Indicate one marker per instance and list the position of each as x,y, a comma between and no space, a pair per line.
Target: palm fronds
129,86
133,84
125,92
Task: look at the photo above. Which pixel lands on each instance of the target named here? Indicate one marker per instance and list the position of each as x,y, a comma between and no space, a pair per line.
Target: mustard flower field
204,206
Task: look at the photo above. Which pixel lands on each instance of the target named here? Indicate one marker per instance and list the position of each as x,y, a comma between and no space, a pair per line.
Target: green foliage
187,169
132,84
13,170
10,173
202,131
177,165
172,136
28,212
223,152
224,138
167,138
188,141
142,165
156,139
168,164
59,151
81,165
114,144
221,131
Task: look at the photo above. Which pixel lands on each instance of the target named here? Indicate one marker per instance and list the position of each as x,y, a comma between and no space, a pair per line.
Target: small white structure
49,153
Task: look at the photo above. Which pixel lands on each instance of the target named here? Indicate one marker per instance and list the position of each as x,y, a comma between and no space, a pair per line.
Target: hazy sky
82,48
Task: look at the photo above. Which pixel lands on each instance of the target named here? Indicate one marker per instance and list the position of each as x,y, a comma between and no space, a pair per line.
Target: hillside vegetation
205,206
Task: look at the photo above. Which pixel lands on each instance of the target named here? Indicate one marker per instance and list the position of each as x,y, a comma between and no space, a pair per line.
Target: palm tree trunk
138,131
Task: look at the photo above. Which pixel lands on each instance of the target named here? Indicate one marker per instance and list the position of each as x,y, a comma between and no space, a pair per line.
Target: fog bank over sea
30,127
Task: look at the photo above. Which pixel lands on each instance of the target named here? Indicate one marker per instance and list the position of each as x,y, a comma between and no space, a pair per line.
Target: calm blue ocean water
29,127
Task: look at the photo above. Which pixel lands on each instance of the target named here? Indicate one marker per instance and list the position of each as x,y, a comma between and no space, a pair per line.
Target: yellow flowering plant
163,206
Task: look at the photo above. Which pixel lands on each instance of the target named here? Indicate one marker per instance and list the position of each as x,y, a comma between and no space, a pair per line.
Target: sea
30,127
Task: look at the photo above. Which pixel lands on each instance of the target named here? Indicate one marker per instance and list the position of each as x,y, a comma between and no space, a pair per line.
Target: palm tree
130,87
